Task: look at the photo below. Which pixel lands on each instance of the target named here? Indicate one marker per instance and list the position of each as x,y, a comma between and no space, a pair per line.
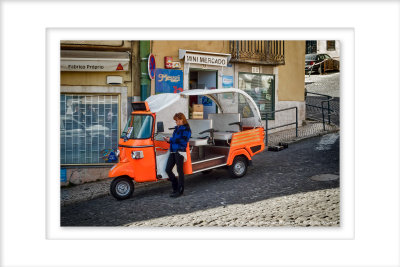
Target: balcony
258,52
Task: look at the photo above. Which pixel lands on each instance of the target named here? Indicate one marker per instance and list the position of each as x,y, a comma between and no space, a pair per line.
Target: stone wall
79,175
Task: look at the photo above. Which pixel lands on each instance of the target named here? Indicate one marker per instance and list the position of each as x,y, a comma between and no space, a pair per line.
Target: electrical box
114,80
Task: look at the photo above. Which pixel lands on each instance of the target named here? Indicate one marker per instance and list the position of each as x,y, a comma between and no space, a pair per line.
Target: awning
161,101
212,93
94,61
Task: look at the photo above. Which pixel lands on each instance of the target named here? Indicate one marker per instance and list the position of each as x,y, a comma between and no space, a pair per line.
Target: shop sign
94,65
169,81
227,81
206,59
176,65
168,62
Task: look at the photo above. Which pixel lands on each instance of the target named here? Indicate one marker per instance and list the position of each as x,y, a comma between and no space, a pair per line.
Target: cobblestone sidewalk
310,129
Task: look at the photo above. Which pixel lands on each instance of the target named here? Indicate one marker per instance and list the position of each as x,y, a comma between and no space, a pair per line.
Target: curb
90,191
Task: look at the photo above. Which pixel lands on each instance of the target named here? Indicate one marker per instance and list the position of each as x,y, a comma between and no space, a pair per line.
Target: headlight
137,154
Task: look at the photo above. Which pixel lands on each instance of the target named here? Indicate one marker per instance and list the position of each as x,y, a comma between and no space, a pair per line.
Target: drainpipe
144,51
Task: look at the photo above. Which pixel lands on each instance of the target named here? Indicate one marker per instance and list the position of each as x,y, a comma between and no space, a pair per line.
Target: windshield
311,56
138,127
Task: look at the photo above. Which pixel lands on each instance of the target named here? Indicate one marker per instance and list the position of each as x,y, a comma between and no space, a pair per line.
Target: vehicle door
137,144
328,62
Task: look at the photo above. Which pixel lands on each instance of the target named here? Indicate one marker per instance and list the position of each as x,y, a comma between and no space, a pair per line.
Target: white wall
321,48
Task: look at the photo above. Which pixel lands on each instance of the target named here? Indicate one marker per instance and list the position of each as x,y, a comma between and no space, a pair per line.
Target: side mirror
160,127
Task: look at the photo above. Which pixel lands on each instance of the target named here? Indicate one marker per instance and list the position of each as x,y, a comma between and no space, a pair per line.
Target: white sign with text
94,65
206,59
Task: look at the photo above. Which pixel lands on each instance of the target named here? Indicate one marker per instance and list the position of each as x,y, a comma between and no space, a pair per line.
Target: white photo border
346,229
27,235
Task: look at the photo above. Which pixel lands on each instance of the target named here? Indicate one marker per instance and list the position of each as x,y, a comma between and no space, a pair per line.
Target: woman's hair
181,116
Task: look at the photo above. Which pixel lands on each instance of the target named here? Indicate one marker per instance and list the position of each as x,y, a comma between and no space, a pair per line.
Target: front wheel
122,188
238,167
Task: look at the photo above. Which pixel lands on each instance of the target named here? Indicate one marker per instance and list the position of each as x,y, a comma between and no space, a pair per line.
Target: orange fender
237,152
121,169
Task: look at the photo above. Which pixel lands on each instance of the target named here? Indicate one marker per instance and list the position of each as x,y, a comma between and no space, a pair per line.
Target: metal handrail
328,100
279,110
329,111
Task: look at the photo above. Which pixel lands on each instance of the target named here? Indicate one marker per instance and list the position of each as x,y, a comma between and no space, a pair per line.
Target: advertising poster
169,81
227,82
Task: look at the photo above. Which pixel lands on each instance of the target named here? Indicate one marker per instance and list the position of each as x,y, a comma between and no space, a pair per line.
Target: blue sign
63,175
169,81
206,101
109,155
151,66
227,81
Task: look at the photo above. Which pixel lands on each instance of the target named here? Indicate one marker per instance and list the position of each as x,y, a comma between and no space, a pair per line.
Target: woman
178,143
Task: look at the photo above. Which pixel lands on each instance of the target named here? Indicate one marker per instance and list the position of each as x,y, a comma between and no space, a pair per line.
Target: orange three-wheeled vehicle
229,137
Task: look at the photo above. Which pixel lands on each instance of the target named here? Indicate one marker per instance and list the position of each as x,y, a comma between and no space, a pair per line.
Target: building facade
99,79
330,47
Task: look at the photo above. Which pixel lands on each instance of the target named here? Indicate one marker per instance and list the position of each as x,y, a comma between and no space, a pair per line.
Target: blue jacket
180,138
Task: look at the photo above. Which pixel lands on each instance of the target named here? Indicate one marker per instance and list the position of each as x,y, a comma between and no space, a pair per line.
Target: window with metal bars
330,45
311,47
88,127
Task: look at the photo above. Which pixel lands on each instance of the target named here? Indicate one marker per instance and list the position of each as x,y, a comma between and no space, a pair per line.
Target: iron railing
258,52
322,107
279,110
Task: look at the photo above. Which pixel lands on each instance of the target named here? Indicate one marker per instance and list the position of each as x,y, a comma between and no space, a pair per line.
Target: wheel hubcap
123,188
239,168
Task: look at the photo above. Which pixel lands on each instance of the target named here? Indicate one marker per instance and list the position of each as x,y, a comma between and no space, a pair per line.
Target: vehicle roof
161,101
311,56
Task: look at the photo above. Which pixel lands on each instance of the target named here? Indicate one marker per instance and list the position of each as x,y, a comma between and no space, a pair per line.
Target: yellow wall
160,49
90,78
130,78
291,75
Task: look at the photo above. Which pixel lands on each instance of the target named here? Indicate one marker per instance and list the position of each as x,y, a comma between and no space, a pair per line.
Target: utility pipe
144,51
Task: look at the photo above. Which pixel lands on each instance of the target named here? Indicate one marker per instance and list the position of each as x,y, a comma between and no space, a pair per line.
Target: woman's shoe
175,194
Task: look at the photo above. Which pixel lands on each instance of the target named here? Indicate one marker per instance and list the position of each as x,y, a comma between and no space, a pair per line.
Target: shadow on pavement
273,174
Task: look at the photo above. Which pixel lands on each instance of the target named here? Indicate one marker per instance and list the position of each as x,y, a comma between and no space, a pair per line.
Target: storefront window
261,88
88,128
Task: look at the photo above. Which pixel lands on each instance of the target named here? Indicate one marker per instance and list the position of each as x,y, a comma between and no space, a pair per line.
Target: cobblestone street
318,208
327,84
276,191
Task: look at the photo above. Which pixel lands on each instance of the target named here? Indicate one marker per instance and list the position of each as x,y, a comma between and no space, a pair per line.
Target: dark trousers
177,184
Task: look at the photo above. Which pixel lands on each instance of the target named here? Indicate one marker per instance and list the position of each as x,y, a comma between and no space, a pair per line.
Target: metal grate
88,127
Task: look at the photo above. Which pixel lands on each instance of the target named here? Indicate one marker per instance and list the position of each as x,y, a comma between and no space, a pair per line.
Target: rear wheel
122,188
238,167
